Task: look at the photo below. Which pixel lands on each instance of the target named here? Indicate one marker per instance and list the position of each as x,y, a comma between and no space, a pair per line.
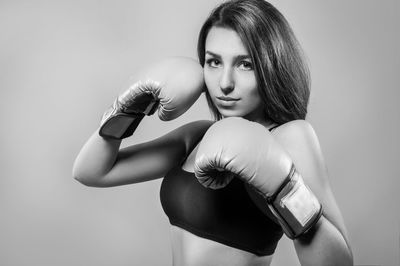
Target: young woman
232,186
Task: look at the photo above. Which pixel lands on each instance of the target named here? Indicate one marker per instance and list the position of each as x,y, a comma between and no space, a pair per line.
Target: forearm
96,158
323,245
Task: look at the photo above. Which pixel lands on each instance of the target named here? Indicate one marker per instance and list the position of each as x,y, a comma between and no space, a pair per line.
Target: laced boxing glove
170,86
235,147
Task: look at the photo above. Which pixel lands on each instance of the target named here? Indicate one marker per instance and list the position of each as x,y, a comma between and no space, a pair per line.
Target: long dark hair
281,72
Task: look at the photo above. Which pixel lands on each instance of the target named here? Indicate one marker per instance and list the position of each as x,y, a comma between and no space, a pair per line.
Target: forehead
225,42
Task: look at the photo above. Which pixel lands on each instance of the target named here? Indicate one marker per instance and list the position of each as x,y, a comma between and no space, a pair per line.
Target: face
229,75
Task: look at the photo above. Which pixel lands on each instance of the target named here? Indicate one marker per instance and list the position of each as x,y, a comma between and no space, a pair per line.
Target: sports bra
229,215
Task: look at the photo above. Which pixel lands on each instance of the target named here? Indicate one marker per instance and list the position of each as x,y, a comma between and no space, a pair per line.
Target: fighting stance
232,187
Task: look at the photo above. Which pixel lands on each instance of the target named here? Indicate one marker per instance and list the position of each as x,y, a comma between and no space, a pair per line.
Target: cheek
248,83
210,79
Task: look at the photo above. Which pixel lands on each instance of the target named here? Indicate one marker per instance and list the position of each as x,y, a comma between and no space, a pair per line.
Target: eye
212,62
245,65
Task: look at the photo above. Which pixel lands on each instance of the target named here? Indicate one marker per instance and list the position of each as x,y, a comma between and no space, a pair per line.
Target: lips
227,99
226,102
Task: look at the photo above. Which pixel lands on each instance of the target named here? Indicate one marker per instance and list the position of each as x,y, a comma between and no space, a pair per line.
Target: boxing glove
237,148
170,86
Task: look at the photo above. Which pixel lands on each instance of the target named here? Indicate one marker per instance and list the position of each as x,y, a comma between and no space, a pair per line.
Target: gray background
63,62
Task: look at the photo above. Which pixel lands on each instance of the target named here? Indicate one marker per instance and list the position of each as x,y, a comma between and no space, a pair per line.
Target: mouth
227,99
226,102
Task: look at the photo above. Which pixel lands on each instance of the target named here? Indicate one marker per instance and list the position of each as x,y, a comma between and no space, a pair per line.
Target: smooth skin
228,72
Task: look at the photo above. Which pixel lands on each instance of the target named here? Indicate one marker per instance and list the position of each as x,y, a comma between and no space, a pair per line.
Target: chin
231,113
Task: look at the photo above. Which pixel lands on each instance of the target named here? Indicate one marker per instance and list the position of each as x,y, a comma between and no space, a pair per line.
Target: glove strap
116,124
120,126
295,205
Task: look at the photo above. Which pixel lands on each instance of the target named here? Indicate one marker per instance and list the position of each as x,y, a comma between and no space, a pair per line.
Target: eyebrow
238,57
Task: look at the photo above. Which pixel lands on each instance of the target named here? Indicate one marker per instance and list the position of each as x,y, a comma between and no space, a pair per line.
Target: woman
231,187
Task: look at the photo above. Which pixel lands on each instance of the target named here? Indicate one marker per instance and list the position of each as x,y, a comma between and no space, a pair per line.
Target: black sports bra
228,215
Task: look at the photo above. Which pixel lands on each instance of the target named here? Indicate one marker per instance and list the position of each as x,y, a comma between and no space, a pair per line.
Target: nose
226,82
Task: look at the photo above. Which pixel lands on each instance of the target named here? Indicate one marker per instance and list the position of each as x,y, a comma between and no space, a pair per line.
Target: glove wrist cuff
295,205
116,124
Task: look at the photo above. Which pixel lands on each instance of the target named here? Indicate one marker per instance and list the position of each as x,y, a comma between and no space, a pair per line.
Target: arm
101,163
264,161
327,242
171,85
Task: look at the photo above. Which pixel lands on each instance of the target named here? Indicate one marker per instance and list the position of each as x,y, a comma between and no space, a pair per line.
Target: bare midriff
191,250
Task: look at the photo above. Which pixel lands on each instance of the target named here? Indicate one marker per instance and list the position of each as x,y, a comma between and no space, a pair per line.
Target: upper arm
299,139
153,159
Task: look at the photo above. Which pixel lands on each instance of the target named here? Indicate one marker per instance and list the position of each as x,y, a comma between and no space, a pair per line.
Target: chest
237,194
226,215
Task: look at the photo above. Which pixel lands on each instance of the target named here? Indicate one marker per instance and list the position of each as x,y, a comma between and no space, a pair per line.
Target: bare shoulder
300,130
299,139
300,136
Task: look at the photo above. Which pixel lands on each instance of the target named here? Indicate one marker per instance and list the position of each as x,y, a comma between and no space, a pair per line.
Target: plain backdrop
62,63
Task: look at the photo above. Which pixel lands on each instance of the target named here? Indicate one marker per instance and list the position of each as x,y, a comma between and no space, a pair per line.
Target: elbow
82,179
85,179
88,181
